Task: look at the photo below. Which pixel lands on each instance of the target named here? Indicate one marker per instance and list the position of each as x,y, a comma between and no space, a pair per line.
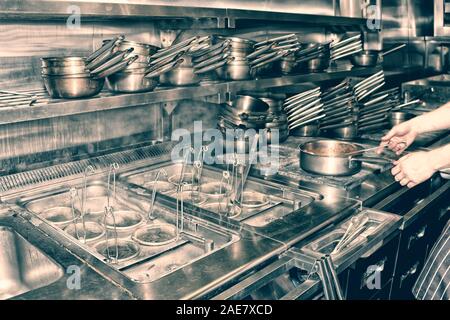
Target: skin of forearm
436,120
440,157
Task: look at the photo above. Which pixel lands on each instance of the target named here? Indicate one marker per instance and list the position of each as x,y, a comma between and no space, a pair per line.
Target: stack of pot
237,116
79,77
313,57
133,78
304,110
190,61
279,51
346,47
354,106
238,68
305,57
276,119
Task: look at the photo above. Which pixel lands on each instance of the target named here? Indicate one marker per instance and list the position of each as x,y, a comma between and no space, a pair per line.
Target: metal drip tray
378,226
137,260
262,203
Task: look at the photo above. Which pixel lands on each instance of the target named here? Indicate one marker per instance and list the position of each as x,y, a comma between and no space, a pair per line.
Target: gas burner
290,167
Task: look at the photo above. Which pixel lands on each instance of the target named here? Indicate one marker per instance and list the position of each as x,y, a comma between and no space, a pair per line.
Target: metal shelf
46,108
54,9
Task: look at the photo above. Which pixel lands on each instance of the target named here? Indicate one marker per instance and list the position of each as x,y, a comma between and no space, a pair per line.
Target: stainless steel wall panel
26,138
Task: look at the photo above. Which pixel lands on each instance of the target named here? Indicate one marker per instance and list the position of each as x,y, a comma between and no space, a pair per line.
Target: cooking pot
370,58
397,117
69,86
334,158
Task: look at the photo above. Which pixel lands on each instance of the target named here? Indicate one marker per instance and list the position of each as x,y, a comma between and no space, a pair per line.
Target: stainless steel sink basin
23,267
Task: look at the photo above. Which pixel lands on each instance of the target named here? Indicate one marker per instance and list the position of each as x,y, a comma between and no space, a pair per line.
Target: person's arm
440,157
418,167
435,120
403,135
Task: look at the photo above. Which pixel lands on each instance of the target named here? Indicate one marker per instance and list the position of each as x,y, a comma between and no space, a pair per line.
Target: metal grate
158,152
23,98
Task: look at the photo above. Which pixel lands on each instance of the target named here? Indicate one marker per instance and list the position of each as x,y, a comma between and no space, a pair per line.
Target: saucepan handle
159,70
116,68
214,66
374,160
106,47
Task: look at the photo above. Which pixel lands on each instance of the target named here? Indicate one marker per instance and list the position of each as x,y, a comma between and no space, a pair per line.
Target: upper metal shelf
54,9
46,108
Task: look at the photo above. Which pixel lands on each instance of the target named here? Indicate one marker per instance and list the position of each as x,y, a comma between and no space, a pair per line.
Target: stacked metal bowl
81,77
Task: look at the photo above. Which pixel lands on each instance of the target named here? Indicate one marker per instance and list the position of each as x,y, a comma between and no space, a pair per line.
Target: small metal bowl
187,178
63,62
345,133
253,200
248,104
93,231
397,117
223,208
192,196
126,249
309,130
155,235
95,205
161,186
59,216
125,221
215,190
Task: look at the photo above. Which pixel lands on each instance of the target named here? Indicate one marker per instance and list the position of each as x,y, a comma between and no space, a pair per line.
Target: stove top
290,166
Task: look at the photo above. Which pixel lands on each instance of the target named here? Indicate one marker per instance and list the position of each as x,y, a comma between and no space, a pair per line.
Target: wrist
418,126
440,158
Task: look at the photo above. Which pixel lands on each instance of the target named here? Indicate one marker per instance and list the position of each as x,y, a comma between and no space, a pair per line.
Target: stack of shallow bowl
68,77
73,77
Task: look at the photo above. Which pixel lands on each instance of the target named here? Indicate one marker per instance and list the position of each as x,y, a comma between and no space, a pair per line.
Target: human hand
399,138
413,169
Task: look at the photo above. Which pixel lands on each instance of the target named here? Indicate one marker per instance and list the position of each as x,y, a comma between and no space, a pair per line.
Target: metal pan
343,132
329,157
370,58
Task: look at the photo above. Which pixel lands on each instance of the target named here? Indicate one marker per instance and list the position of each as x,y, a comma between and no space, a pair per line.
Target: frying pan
334,158
370,58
